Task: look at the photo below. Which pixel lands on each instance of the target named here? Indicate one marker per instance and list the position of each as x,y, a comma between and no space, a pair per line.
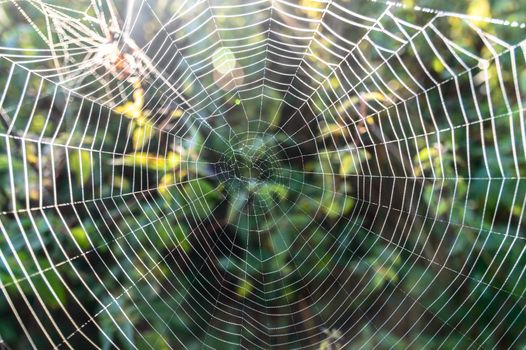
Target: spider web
270,173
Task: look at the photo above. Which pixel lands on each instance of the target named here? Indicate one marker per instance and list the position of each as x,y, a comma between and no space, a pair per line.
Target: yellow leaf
480,9
128,110
325,345
347,165
142,159
34,193
438,66
335,83
312,8
173,160
517,210
244,288
141,135
354,100
138,98
177,113
31,156
170,179
132,110
387,274
425,158
121,182
332,129
350,162
165,183
38,123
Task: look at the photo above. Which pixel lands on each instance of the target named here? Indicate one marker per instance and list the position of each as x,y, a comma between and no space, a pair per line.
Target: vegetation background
288,227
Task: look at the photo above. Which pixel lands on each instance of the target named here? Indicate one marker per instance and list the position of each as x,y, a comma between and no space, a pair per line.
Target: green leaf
227,264
150,337
57,295
350,162
337,206
80,236
280,241
244,288
181,237
202,195
270,190
333,129
80,164
141,135
4,163
236,207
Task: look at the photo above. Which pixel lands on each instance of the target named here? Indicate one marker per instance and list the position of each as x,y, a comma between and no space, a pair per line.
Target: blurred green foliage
156,232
